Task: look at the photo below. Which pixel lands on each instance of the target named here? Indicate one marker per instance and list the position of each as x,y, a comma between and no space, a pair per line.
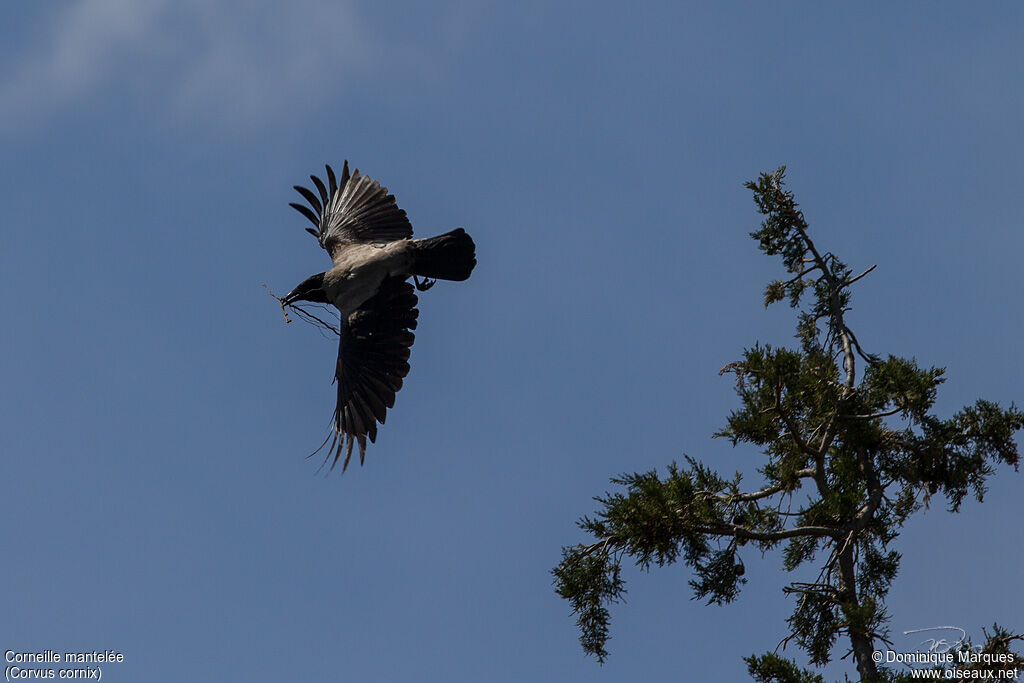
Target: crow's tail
450,256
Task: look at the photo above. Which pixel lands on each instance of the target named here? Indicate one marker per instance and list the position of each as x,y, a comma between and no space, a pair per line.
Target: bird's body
370,243
359,271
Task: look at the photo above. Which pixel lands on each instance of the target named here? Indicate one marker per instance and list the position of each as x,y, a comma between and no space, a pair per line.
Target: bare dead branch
872,416
851,281
856,344
806,271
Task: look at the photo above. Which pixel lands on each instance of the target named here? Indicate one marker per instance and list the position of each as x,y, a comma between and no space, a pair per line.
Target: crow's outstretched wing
373,358
351,209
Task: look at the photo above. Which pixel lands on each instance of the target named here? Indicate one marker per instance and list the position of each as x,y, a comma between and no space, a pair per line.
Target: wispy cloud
217,57
84,41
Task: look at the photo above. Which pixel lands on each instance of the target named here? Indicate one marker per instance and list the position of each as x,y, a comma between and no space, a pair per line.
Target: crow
369,239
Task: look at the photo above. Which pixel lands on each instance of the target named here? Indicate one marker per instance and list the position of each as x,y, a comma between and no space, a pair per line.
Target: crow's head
310,289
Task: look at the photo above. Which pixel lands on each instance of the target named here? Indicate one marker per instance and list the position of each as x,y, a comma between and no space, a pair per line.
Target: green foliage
590,579
847,462
770,668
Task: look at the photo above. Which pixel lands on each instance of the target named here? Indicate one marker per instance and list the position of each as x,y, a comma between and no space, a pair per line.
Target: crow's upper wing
373,356
351,209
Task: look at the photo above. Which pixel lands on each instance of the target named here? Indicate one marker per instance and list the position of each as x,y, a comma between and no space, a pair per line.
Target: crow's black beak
310,289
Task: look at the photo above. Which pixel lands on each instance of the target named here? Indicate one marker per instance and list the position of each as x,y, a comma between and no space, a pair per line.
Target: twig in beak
280,301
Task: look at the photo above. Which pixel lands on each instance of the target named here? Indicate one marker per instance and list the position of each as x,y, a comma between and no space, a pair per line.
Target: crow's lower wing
351,209
373,358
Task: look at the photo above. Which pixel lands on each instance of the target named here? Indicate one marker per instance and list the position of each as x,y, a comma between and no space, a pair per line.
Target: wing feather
313,218
344,176
373,355
332,183
354,208
320,188
312,199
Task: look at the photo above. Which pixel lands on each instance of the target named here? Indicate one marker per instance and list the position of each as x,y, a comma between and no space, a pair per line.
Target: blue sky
157,410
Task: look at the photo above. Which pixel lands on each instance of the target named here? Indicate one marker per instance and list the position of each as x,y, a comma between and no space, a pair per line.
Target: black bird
370,242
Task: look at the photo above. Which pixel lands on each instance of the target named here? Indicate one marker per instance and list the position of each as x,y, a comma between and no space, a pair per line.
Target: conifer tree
852,449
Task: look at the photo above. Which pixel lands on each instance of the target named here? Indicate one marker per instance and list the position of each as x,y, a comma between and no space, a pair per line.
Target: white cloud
227,59
85,39
284,56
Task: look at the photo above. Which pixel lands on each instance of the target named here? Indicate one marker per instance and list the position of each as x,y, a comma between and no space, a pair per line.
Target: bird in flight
369,240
